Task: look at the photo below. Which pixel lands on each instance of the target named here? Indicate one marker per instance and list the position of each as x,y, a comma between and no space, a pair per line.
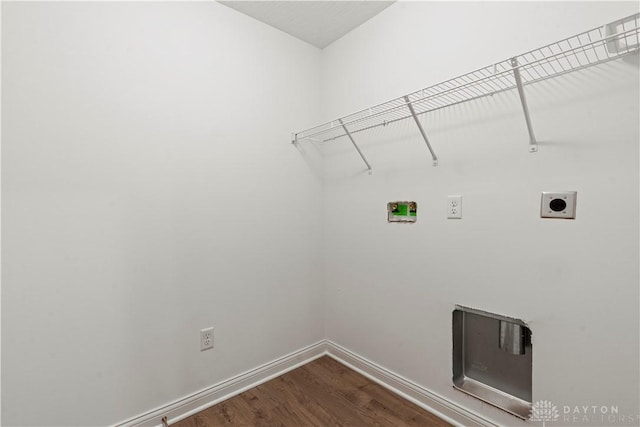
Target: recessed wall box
558,204
492,359
402,211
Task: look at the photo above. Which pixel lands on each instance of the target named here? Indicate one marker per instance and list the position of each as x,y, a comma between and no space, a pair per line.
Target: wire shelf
596,46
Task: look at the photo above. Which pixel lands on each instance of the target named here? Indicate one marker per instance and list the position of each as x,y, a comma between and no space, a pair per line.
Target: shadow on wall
312,157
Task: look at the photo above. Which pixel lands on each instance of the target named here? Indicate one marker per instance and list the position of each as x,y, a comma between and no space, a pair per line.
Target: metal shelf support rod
424,135
355,145
533,144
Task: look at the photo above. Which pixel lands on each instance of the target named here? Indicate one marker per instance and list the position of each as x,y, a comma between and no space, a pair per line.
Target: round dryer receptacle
557,205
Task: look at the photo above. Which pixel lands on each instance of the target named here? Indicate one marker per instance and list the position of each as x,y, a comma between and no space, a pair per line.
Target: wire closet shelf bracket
593,47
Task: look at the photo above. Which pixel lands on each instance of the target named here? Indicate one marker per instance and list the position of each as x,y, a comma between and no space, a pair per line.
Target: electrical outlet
558,205
454,207
206,339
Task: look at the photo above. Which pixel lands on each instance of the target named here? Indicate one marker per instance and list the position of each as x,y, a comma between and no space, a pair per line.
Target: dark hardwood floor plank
321,393
227,414
399,408
346,384
353,387
338,373
339,408
341,379
285,389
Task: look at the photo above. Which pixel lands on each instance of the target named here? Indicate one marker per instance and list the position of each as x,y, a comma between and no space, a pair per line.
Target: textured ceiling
317,22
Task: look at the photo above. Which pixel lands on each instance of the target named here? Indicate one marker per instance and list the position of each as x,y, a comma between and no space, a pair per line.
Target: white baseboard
199,401
432,402
196,402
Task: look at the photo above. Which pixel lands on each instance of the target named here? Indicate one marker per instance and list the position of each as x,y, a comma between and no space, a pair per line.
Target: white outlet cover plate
558,204
206,339
454,207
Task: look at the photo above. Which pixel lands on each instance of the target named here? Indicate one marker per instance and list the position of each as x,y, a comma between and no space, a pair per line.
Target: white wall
149,190
132,132
391,288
